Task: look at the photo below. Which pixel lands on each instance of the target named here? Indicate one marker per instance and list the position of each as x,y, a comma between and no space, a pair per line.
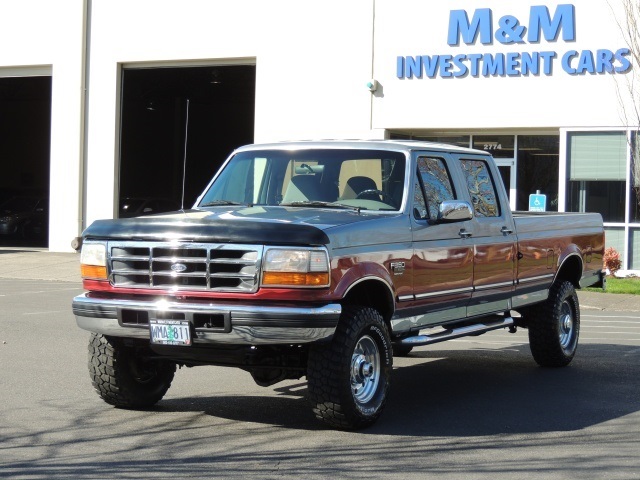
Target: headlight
295,268
93,261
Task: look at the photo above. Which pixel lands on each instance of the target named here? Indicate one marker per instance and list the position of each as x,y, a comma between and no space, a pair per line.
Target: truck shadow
466,393
478,393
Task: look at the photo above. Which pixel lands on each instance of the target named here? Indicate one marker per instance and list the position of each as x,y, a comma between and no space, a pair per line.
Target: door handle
506,231
464,234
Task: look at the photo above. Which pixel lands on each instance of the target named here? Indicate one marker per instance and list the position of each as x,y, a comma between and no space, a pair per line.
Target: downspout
373,51
84,115
376,90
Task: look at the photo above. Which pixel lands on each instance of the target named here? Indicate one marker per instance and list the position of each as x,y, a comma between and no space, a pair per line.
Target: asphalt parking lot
472,408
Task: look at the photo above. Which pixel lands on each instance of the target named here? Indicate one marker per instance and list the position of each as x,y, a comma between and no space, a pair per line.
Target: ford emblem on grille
178,267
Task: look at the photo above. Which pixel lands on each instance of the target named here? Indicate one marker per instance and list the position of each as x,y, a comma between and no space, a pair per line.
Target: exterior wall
312,64
415,28
41,46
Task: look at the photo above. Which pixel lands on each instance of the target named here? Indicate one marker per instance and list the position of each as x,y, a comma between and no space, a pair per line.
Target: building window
634,250
634,184
538,165
616,237
596,174
604,197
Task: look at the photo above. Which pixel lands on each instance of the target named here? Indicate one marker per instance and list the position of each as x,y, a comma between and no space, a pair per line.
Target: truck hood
265,225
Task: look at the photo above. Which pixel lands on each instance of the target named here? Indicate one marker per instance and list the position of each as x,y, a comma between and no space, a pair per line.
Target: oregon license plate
170,332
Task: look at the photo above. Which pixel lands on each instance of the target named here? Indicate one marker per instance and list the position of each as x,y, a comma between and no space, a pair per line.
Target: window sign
500,146
537,202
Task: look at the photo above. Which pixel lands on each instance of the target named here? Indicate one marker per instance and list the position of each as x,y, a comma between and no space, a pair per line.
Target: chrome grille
209,267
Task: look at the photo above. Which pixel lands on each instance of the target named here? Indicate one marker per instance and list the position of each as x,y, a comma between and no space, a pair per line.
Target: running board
443,335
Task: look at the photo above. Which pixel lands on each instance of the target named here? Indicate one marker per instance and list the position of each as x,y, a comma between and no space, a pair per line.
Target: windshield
333,178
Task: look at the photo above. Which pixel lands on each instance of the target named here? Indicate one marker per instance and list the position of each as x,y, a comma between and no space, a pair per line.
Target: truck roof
392,145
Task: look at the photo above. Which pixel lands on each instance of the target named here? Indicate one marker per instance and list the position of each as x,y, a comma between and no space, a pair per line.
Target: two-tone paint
417,273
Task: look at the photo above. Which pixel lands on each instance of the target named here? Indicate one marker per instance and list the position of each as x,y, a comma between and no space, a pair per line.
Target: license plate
170,332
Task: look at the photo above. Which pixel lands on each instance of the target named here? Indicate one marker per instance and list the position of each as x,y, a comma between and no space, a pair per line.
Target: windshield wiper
319,204
215,203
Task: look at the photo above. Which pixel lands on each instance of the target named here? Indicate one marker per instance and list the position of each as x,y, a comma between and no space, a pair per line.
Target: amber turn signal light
94,272
295,279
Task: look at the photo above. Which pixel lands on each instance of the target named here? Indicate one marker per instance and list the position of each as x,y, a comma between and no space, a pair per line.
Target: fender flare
571,252
365,272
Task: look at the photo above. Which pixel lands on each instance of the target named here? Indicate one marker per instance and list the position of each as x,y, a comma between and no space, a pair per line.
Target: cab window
482,190
435,184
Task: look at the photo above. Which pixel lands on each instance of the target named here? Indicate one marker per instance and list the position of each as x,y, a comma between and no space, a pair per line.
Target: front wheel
349,378
124,376
555,327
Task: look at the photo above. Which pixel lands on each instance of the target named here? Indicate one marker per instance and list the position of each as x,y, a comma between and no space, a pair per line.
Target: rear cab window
482,189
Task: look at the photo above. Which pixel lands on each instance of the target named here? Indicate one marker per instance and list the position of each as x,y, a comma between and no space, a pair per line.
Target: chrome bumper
238,325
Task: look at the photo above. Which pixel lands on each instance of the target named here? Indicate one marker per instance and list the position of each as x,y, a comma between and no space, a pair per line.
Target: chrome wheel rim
567,325
365,369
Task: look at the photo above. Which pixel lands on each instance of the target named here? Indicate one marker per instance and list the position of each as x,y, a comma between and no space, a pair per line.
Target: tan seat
302,188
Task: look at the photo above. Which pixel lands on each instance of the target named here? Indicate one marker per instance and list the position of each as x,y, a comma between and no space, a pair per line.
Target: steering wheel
384,196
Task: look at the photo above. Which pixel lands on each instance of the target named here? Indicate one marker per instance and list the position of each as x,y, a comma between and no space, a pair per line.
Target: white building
101,100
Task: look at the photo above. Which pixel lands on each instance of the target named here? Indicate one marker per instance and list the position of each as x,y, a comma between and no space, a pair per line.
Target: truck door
494,241
442,253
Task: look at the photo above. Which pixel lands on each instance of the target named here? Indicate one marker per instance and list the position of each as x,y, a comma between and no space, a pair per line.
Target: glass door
508,179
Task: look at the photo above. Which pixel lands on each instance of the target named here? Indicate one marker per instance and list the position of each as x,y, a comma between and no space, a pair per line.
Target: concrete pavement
40,264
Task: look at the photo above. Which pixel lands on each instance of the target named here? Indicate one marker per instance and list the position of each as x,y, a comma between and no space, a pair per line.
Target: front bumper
212,323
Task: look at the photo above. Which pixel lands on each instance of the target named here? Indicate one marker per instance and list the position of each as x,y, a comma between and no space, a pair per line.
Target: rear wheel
124,376
349,378
554,327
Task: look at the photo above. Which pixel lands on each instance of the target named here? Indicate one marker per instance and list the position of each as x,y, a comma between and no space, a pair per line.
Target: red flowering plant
611,260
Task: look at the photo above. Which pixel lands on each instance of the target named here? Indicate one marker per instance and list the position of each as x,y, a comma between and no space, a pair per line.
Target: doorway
25,130
178,126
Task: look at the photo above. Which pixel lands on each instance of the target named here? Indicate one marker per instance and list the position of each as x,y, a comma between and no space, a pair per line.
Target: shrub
611,260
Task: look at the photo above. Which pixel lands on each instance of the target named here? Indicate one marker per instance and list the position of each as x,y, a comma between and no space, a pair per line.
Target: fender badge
397,268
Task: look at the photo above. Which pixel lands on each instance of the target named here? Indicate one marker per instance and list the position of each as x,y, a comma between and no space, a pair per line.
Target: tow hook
513,329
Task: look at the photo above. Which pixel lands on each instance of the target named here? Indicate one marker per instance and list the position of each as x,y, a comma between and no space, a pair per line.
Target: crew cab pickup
326,259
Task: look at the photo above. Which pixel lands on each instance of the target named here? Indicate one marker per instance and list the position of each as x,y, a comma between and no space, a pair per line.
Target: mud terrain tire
349,377
124,377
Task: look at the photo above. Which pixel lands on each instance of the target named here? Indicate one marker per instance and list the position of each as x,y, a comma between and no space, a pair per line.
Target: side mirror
454,211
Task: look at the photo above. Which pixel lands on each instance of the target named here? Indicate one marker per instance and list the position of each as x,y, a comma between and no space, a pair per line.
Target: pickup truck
325,259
